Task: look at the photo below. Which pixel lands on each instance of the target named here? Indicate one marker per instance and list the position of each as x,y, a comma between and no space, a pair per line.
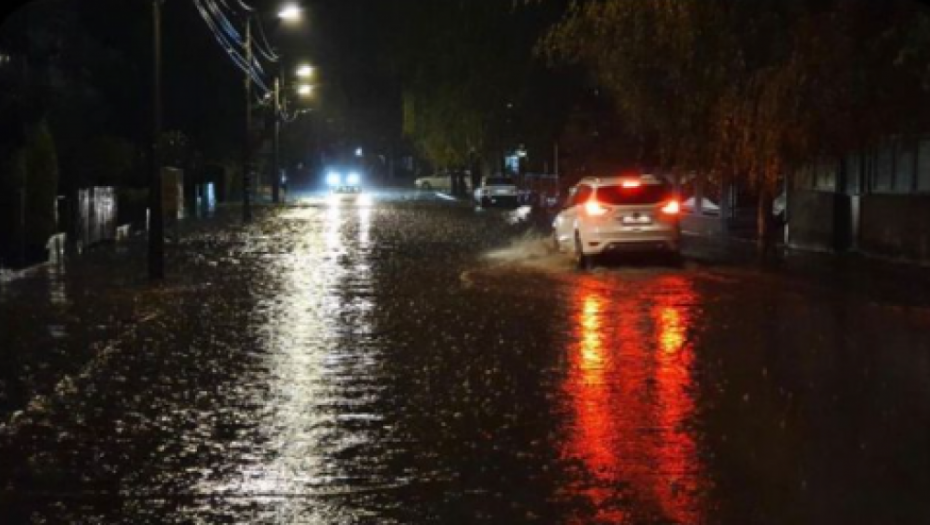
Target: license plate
636,220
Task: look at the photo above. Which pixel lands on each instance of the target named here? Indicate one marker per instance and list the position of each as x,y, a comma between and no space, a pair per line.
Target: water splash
532,251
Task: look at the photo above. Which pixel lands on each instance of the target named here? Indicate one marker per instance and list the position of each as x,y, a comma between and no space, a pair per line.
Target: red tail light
672,208
595,209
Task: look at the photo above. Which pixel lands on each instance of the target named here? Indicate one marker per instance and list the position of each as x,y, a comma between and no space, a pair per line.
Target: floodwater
420,361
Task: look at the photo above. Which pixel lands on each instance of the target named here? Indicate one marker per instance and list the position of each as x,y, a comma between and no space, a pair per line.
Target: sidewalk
898,283
56,317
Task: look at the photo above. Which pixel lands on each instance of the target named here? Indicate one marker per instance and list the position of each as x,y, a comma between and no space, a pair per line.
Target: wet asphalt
421,361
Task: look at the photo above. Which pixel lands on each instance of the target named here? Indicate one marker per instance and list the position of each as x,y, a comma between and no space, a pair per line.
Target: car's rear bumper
641,246
665,239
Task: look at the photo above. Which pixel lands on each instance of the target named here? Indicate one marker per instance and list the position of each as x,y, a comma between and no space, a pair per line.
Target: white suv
618,214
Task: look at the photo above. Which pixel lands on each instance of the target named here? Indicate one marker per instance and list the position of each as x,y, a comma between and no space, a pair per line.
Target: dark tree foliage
471,85
28,190
754,89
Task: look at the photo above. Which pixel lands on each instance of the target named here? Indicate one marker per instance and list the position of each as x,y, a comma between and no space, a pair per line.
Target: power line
224,21
270,55
230,40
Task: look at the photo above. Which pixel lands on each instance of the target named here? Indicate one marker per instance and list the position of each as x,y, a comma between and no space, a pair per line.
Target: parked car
435,182
708,207
442,182
497,190
618,214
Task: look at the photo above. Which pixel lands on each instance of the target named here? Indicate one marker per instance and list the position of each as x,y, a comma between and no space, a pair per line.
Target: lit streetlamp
290,13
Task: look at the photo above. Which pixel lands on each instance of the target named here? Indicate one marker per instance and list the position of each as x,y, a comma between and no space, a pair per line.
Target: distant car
344,183
618,214
497,190
436,182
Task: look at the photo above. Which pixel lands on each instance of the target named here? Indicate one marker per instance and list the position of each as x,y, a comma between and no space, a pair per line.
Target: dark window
499,181
884,169
645,194
905,165
923,166
582,195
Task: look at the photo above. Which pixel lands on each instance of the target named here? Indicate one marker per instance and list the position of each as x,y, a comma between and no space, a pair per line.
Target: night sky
203,90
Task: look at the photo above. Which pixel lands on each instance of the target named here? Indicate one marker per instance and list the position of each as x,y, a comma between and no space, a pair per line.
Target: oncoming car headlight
354,179
333,179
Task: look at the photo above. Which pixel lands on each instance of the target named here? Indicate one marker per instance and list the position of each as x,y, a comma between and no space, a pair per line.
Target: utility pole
276,168
247,150
23,235
156,216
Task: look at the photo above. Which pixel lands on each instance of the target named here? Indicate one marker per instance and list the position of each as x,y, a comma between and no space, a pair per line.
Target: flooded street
420,361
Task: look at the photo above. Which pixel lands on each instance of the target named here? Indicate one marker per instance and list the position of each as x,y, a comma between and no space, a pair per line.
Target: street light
290,13
305,90
305,71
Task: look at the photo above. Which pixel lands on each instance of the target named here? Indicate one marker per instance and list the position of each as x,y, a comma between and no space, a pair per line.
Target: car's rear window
499,181
645,194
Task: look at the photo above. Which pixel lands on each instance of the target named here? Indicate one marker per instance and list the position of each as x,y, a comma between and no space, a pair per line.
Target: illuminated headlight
354,179
333,179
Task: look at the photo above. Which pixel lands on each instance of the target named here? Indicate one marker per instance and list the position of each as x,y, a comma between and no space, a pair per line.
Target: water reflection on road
350,364
321,387
630,387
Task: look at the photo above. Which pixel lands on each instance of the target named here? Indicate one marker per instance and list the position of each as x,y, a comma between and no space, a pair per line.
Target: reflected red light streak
678,457
591,364
629,390
671,329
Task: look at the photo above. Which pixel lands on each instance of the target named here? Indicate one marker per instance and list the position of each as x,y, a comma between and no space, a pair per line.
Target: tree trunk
765,225
725,205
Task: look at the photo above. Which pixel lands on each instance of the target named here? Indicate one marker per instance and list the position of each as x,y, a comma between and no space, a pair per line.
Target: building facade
876,202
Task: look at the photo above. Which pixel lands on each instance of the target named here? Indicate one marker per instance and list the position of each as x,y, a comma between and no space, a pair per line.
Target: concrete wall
703,225
814,223
896,226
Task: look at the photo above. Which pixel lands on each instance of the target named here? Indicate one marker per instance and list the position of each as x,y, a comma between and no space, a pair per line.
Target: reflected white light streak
364,229
365,199
320,389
